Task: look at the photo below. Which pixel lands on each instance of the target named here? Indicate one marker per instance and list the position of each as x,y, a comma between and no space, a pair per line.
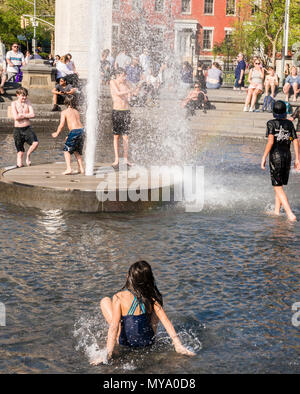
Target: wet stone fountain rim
44,187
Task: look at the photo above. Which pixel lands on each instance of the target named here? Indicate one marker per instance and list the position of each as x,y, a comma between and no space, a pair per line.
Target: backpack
268,104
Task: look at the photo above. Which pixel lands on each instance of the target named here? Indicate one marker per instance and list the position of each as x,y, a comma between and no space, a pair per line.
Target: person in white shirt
145,61
62,69
15,59
122,60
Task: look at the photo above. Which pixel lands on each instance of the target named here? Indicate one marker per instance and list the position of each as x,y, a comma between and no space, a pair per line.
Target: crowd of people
264,79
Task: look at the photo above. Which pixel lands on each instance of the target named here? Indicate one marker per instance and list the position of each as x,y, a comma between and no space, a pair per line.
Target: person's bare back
72,117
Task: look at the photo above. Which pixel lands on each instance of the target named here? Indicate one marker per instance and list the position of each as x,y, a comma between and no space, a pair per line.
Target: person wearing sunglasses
15,60
255,78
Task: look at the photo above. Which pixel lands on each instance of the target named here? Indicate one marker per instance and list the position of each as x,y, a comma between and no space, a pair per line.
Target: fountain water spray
93,89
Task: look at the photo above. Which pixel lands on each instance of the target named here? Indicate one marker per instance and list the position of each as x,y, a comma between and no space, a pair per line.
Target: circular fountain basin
45,187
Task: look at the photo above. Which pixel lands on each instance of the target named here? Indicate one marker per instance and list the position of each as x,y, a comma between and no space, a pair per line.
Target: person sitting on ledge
61,90
195,100
292,84
75,140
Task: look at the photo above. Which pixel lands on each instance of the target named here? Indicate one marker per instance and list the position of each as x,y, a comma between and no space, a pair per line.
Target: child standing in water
134,312
75,140
22,112
280,133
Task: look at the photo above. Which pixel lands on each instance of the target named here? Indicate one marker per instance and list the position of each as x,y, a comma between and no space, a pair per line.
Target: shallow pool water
229,275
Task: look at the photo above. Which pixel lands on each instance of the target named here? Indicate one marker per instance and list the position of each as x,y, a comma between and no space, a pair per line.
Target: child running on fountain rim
280,133
75,140
22,112
134,312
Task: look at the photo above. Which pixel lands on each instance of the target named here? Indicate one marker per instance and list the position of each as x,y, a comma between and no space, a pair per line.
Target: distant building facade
189,28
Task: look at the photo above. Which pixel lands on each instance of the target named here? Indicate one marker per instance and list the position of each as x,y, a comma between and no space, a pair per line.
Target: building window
137,5
207,38
186,6
228,34
116,4
159,5
230,7
209,7
255,7
115,35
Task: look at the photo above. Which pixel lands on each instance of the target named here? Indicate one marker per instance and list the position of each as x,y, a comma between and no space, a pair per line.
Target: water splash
93,89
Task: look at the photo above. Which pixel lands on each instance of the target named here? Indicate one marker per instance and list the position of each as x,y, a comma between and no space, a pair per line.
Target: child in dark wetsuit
134,312
280,133
75,140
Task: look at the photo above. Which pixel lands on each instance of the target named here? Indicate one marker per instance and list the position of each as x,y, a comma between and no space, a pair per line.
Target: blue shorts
75,141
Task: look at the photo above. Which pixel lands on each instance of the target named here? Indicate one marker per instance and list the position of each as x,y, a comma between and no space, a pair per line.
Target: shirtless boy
75,140
22,112
121,92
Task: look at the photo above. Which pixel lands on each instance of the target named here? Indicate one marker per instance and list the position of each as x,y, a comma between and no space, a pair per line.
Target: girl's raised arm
114,325
160,313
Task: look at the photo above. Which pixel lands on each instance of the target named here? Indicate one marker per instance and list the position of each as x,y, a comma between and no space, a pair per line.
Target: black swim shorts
121,121
280,164
22,135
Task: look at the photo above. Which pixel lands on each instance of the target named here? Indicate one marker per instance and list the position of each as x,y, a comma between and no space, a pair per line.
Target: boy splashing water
75,140
22,112
280,133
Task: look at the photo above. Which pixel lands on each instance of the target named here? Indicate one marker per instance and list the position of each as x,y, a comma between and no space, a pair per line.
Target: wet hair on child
22,92
70,101
141,283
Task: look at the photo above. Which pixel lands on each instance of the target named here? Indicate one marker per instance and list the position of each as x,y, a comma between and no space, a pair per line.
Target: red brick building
190,28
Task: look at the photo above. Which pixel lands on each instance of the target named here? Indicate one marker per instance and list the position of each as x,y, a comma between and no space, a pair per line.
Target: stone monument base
39,78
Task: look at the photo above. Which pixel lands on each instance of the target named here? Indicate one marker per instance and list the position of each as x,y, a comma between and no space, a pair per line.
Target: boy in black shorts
22,112
280,134
121,92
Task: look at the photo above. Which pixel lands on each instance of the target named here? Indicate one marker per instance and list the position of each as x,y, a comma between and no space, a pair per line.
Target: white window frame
234,9
140,7
163,7
213,10
112,26
187,12
116,8
211,28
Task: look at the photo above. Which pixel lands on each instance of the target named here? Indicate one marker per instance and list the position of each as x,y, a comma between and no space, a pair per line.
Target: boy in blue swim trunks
75,140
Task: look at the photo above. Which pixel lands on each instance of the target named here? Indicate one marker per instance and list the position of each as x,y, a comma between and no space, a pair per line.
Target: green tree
10,19
260,24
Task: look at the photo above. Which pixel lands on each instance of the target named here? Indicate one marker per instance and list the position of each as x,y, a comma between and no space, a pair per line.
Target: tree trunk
52,42
273,54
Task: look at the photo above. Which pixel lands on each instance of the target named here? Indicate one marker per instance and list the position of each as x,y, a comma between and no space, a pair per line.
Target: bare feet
273,213
292,218
128,163
68,172
1,90
28,162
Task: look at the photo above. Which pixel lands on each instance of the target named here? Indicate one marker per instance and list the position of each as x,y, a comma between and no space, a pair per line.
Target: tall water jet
93,88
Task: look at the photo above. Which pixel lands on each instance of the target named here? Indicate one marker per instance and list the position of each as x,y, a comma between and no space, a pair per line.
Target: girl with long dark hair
134,312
